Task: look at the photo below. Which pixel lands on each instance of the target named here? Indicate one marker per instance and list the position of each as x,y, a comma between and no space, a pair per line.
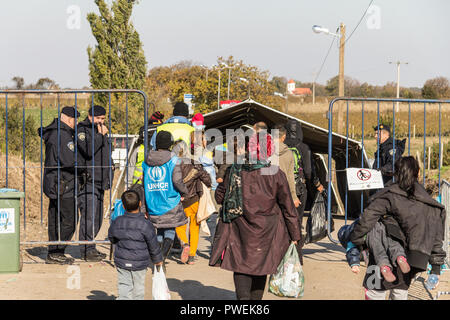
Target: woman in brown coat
257,223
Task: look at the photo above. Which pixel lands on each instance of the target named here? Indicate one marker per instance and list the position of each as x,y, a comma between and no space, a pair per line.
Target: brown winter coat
255,242
286,162
193,176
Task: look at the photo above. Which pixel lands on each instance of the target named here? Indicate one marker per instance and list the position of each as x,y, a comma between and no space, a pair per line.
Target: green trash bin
10,230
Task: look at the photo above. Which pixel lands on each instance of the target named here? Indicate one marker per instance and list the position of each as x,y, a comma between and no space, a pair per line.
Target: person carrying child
135,240
387,251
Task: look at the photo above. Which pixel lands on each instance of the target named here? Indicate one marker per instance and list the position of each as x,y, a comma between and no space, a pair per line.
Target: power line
358,22
325,59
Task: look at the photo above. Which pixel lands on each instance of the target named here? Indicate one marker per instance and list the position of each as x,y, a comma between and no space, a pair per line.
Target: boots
166,245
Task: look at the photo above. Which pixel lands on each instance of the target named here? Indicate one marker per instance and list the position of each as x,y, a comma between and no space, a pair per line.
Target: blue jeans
161,234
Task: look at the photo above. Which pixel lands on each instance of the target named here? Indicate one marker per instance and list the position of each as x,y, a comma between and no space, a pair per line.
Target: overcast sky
273,35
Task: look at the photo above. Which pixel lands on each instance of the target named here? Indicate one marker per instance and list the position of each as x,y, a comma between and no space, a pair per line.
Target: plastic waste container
10,230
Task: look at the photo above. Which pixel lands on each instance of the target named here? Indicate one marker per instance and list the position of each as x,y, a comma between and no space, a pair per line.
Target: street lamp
207,69
248,85
229,76
398,79
341,36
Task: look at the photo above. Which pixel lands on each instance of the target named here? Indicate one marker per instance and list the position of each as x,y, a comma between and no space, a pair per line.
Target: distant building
297,91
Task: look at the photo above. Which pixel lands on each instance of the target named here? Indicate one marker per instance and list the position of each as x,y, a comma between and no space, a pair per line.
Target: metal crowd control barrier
364,162
445,200
21,94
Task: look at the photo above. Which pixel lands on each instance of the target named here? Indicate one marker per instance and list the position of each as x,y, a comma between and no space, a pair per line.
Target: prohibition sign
363,175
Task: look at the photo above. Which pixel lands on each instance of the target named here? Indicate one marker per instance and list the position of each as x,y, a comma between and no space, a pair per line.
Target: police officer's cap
98,111
70,112
382,127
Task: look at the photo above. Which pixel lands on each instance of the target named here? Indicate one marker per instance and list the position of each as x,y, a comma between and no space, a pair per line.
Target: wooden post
429,158
341,78
414,132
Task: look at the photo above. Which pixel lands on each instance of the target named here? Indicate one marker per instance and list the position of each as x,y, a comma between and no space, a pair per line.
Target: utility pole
341,77
398,80
229,79
218,92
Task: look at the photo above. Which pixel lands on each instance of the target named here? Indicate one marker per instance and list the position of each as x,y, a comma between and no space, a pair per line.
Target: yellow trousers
194,229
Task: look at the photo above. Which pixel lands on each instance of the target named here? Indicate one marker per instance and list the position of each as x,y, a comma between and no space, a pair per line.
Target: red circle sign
363,174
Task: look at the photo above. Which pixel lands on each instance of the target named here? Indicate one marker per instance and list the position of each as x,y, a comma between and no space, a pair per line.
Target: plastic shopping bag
289,281
316,225
160,290
118,210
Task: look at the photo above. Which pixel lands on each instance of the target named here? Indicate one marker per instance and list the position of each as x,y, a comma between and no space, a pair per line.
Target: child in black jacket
386,250
135,243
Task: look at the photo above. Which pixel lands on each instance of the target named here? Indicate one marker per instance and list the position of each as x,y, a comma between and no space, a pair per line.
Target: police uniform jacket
64,158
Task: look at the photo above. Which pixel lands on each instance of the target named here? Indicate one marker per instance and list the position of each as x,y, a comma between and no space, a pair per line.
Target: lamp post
248,85
398,79
229,77
341,36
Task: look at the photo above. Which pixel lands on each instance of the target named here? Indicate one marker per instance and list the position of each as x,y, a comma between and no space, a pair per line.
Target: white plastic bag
160,290
289,281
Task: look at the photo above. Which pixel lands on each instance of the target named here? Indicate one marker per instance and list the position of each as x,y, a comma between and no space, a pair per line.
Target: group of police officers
78,170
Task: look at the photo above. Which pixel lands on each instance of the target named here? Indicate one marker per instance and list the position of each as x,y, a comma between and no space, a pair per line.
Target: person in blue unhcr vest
164,191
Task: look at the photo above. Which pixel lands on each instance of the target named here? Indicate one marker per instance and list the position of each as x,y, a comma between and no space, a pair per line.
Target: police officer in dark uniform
385,152
59,182
94,145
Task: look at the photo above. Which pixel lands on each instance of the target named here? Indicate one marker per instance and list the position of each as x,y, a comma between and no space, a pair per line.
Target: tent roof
249,112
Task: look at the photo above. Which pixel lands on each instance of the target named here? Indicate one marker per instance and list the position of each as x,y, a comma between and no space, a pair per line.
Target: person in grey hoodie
164,191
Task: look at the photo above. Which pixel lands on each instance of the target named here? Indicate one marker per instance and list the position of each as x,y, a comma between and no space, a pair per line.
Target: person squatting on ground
95,149
193,176
135,243
257,223
154,121
387,251
421,220
60,164
164,191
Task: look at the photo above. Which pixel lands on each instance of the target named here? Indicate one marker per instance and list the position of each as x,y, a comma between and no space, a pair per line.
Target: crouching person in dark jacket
135,240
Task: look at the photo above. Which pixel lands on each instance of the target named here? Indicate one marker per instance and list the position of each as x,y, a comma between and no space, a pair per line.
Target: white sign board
364,179
188,100
7,220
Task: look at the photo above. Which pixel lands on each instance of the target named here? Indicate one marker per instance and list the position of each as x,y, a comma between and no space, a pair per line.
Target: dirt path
327,276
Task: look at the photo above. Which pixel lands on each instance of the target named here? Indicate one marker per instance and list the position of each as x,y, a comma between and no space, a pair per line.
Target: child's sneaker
387,274
185,254
403,264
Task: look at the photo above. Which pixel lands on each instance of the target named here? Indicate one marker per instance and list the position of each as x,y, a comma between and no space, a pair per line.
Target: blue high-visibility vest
160,194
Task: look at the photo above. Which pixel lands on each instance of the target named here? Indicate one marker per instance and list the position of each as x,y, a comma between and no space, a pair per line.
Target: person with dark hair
95,148
164,191
154,121
59,183
421,219
384,156
135,241
178,125
257,223
306,177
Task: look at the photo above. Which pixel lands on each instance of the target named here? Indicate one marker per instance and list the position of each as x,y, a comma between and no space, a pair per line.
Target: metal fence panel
336,176
90,166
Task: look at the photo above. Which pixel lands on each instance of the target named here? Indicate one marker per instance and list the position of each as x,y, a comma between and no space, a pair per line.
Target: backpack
298,171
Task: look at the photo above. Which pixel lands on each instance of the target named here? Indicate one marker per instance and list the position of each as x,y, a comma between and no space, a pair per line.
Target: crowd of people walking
259,198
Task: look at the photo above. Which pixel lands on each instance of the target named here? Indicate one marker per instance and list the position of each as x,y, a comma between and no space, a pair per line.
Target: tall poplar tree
118,60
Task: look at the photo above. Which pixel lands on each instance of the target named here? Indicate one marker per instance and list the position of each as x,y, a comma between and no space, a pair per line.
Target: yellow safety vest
138,169
179,131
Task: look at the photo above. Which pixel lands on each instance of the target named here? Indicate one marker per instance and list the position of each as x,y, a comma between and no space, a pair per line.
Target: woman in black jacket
422,221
